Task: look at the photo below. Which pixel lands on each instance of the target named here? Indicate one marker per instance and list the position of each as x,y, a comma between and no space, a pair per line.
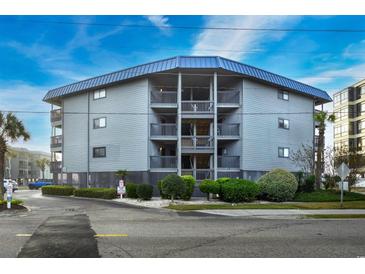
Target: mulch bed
13,207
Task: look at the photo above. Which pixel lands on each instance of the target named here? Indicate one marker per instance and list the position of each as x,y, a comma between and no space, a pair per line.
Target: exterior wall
261,135
125,136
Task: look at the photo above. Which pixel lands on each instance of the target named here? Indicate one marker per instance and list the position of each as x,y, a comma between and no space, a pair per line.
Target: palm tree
122,173
42,163
8,156
11,129
321,117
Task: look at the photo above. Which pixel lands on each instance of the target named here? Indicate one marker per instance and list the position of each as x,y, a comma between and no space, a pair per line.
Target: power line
344,30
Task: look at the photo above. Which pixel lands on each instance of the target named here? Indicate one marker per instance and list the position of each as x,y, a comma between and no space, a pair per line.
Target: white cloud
233,43
161,22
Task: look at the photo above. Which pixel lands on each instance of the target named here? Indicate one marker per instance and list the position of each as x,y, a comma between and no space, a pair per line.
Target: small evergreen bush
59,190
189,187
238,190
101,193
209,186
131,190
144,191
173,185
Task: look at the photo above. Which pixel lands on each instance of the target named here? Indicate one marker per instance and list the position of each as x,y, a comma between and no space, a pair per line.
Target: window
283,152
99,94
283,95
283,123
99,152
100,122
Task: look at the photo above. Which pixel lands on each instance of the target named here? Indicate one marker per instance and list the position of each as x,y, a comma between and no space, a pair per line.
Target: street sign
343,171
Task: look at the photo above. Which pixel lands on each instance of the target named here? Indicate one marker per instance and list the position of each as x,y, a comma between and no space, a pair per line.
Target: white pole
341,193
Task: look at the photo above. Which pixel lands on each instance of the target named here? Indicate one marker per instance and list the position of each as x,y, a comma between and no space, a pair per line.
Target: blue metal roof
187,62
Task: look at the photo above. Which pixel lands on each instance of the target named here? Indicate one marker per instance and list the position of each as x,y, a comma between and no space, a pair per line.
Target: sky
37,55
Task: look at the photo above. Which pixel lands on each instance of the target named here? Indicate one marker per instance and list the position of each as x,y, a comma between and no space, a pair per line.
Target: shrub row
142,191
176,187
64,190
101,193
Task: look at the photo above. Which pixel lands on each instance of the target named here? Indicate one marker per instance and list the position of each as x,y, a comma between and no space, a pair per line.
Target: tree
11,130
42,164
303,158
173,185
8,156
321,117
121,174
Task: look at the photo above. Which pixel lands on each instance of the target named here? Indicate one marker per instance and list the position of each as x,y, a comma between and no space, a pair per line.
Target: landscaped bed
15,204
328,196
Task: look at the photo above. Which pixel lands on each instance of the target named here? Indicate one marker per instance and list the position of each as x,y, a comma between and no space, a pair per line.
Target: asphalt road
67,227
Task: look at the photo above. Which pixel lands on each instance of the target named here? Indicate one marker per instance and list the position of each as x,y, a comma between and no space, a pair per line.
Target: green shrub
131,190
238,190
189,187
64,190
13,202
162,195
144,191
278,185
173,185
209,186
221,182
101,193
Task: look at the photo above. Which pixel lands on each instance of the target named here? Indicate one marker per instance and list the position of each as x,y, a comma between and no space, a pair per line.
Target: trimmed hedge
144,191
189,187
13,202
131,190
162,195
278,185
237,190
221,182
101,193
210,186
64,190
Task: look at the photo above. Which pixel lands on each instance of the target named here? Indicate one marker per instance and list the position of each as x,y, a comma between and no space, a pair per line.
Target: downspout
88,139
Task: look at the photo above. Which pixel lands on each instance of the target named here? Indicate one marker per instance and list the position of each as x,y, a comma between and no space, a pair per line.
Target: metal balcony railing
197,106
228,130
163,97
163,129
56,115
198,174
55,167
197,142
228,161
56,141
163,162
229,97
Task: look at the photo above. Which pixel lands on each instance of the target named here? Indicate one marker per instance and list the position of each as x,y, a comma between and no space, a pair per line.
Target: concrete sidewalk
275,213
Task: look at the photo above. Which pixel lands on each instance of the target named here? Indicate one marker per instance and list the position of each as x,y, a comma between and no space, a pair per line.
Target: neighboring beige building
349,127
20,164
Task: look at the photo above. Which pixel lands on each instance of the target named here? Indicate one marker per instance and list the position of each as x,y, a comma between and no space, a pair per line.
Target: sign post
121,188
9,194
343,171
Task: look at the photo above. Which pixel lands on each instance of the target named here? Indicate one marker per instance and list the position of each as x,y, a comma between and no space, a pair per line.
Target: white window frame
94,148
283,95
99,94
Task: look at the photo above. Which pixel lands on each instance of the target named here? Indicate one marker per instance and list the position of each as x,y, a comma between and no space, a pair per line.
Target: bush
307,185
131,190
13,202
329,182
162,195
173,185
209,186
278,185
221,182
238,190
101,193
144,191
189,187
64,190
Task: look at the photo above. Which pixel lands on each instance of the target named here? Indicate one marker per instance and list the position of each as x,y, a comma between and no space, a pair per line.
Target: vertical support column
215,160
178,123
88,139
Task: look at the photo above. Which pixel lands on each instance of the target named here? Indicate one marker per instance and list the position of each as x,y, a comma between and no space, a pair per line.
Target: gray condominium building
205,116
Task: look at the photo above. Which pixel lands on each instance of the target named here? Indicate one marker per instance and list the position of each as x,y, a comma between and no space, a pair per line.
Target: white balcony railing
228,130
197,106
163,161
163,129
163,97
197,142
56,115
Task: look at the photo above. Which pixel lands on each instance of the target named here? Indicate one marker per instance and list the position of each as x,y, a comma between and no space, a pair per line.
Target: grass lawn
328,196
335,216
301,205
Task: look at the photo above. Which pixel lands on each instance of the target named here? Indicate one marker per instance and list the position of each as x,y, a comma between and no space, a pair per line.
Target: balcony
56,143
56,116
228,99
157,162
164,100
197,109
197,144
228,131
198,174
229,162
163,131
55,167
